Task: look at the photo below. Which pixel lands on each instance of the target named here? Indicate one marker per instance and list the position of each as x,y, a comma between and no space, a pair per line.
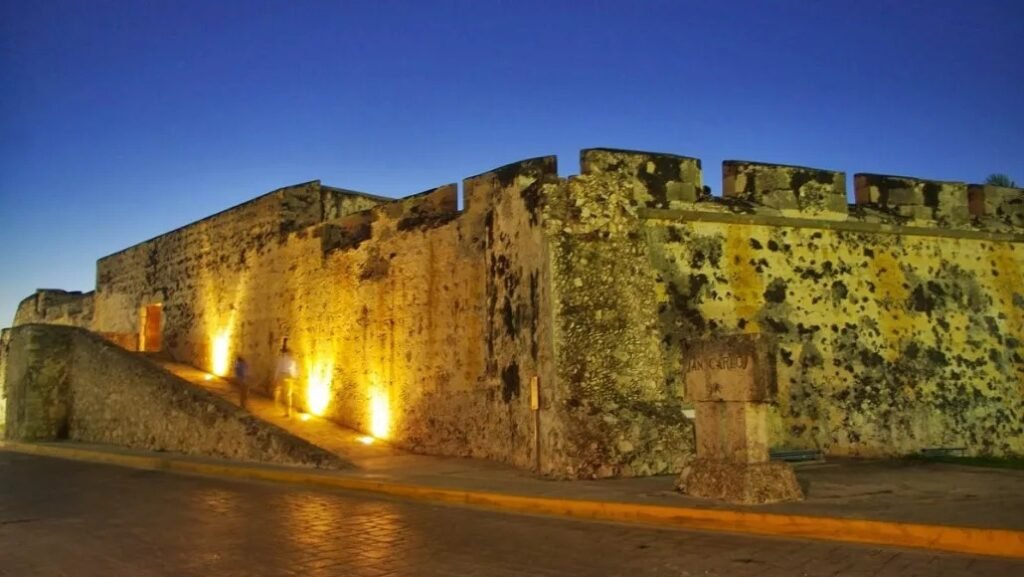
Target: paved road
65,518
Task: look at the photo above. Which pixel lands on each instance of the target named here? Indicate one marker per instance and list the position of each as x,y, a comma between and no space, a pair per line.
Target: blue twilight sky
120,120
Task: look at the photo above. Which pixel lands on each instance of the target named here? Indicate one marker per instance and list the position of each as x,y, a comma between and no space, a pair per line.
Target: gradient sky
120,120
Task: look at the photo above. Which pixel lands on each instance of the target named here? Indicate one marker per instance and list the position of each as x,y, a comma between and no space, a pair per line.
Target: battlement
427,209
55,306
996,206
671,186
914,199
792,190
662,179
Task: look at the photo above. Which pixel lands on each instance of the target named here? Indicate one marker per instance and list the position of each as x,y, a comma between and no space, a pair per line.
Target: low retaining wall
67,383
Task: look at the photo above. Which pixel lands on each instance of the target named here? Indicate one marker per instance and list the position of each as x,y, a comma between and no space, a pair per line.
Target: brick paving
67,518
886,490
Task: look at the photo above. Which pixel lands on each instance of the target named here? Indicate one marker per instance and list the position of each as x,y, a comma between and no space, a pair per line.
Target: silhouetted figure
285,377
241,371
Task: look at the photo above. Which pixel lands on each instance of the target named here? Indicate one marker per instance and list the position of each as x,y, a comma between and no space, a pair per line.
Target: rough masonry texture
899,320
66,383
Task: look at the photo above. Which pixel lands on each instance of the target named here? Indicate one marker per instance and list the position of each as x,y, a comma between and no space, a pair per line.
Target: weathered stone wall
67,383
56,307
410,320
37,383
186,270
619,416
899,319
900,325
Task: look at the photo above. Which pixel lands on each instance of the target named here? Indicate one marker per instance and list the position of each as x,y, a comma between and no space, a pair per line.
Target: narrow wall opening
151,324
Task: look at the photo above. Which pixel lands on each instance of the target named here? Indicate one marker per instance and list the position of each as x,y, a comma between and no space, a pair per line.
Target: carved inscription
725,370
718,363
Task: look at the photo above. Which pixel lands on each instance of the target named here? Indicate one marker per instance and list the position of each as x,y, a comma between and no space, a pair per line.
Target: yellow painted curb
995,542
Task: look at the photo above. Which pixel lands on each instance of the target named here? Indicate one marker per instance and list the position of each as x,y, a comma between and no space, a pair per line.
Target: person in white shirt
284,376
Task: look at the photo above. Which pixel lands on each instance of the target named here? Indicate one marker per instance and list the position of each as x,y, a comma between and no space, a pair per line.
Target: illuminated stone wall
411,321
399,318
194,271
898,319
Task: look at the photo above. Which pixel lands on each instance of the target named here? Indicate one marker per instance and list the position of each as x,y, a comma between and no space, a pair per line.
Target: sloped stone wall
67,383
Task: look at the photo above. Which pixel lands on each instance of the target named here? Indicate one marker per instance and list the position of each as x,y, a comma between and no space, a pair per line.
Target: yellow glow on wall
318,387
220,353
380,412
223,298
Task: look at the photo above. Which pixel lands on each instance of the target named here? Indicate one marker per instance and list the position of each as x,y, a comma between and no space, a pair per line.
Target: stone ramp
352,446
376,458
66,383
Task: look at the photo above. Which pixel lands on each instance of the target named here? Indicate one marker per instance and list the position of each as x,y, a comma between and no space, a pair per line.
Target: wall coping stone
838,225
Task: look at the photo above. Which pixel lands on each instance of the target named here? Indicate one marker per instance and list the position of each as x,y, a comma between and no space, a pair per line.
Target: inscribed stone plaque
731,368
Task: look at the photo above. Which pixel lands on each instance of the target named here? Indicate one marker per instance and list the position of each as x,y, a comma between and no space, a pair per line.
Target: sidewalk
897,503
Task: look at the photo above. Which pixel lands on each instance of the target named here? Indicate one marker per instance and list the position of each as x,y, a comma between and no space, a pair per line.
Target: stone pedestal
747,483
731,381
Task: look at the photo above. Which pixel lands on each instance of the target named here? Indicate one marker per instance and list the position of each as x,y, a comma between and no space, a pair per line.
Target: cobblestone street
67,518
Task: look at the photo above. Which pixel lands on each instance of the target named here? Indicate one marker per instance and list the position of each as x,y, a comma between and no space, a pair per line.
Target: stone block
731,368
914,198
749,484
1001,203
659,179
735,432
796,189
478,190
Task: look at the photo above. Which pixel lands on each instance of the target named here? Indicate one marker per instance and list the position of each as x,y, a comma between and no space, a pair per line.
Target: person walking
241,372
285,376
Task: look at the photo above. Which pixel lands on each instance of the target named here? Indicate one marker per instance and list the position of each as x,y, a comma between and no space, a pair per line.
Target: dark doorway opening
152,325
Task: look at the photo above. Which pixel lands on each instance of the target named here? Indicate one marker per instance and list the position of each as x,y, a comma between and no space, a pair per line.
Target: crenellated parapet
524,179
425,210
616,189
56,307
658,180
635,184
790,190
913,200
996,207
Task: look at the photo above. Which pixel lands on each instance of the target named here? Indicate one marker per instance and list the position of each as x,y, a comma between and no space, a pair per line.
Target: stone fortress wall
899,319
